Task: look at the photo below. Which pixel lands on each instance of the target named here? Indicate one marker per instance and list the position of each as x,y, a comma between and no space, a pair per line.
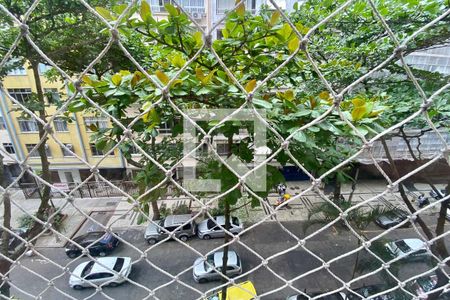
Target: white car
209,228
403,247
91,274
205,270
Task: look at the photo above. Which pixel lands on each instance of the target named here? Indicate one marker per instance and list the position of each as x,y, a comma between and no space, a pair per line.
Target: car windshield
211,224
235,221
209,262
87,269
426,284
119,264
402,246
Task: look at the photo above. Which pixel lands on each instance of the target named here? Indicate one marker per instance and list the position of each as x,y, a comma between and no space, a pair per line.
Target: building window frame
96,152
22,95
65,152
28,125
9,148
34,153
52,95
100,122
60,124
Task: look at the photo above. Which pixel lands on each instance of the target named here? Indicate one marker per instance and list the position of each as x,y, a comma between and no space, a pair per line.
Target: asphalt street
269,242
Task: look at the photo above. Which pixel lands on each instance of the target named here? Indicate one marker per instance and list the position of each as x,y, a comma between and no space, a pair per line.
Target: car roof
218,258
107,264
94,235
176,220
243,291
414,244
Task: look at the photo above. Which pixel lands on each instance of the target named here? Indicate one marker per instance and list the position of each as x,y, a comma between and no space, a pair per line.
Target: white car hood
199,266
152,229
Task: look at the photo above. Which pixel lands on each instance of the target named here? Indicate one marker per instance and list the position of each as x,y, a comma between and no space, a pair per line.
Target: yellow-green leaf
198,37
358,112
250,86
178,61
208,77
240,10
173,11
145,11
162,77
289,95
135,79
116,79
86,79
293,45
324,95
93,127
285,31
104,13
275,17
199,74
358,102
225,33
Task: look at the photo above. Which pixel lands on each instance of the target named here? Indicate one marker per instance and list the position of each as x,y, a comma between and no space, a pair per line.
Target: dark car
367,291
99,244
14,241
436,195
392,218
335,296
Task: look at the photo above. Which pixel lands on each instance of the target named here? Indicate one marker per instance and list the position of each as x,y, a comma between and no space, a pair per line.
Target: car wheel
77,287
151,241
183,238
206,237
113,284
102,253
72,254
202,280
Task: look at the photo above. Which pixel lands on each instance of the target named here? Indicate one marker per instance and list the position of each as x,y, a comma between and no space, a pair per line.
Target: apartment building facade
20,133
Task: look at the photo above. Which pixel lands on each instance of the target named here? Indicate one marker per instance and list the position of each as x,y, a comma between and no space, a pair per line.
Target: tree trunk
350,197
337,190
227,226
45,175
4,263
155,208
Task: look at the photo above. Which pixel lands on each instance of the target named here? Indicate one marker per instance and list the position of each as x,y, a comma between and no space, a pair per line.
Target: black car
392,218
99,244
436,195
367,291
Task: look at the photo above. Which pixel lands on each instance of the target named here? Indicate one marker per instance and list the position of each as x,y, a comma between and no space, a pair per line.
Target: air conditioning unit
196,15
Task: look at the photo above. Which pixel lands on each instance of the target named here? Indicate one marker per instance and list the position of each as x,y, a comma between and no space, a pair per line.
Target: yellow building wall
72,136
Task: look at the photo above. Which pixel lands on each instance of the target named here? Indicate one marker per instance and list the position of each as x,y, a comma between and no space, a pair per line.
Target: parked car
242,291
367,291
14,242
99,243
154,233
392,218
436,195
422,285
405,246
91,274
448,214
205,270
210,228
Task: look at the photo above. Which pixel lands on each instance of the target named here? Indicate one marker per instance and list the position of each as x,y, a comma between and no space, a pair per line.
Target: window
9,148
60,125
44,68
97,152
99,122
222,148
18,72
21,95
35,153
225,5
165,127
28,125
65,150
2,124
52,95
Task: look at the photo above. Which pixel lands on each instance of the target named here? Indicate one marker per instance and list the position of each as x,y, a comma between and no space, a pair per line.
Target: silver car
110,270
205,270
209,228
172,223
